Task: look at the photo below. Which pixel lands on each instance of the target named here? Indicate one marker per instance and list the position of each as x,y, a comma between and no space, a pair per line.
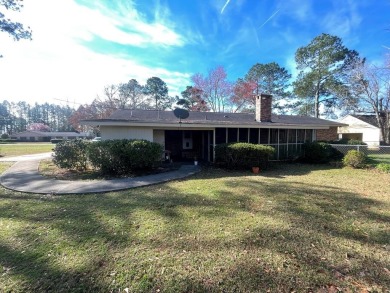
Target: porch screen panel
220,135
254,135
264,134
301,135
309,135
232,134
292,136
243,135
282,135
274,136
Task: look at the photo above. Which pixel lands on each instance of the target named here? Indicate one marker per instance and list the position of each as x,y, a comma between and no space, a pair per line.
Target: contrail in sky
269,18
226,4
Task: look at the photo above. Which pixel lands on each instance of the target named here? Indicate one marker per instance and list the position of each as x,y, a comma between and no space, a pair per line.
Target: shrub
71,154
5,136
348,141
383,167
124,156
242,155
56,140
355,142
8,140
320,152
355,159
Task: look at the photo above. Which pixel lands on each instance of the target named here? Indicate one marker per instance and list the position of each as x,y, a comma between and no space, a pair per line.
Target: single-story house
47,136
196,136
360,127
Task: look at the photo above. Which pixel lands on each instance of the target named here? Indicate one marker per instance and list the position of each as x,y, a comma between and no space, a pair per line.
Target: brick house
197,135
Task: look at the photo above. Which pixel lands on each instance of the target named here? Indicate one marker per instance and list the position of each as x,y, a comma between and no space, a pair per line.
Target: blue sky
80,46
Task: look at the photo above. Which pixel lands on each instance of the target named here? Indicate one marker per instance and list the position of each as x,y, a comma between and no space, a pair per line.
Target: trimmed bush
348,141
242,155
383,167
123,156
5,136
355,159
8,140
356,142
56,140
319,153
71,154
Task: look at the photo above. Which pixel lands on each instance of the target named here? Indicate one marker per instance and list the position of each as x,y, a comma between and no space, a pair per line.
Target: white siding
115,132
159,137
370,134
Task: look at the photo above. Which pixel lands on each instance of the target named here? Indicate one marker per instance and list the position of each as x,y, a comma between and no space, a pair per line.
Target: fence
286,151
377,153
368,150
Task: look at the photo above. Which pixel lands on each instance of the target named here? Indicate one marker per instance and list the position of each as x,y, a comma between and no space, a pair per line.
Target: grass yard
379,158
9,150
296,228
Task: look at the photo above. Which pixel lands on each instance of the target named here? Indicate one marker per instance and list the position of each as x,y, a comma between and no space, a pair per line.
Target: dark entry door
186,145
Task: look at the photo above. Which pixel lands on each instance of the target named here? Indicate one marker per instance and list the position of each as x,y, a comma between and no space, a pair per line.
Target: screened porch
287,142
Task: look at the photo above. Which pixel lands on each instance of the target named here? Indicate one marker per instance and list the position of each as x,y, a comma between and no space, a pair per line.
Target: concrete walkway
32,157
24,176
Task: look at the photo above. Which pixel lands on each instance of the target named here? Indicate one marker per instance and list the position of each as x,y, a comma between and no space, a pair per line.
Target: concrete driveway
23,158
24,176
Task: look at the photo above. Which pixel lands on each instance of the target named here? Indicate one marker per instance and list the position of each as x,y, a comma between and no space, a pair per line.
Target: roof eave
211,124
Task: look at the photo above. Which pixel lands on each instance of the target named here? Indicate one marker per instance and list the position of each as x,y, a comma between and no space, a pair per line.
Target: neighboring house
360,127
197,135
46,136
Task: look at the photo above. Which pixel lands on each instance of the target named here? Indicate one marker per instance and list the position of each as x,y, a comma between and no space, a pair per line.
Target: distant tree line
19,116
332,81
131,95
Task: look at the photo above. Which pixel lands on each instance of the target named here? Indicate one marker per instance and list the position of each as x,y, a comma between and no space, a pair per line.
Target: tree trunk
316,104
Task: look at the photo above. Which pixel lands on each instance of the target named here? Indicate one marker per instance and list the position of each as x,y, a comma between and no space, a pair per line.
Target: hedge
242,155
71,154
319,153
124,156
56,140
115,157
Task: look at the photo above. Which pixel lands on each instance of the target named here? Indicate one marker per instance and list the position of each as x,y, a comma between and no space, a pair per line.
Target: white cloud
300,10
343,18
55,65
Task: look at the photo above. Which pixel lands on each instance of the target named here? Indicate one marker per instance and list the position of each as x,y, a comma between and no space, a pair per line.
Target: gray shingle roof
49,134
370,119
154,116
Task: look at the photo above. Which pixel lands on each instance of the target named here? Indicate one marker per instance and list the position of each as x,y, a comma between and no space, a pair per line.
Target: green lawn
379,158
296,228
9,150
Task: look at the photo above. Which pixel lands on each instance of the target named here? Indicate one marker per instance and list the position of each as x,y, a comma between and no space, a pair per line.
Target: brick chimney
263,108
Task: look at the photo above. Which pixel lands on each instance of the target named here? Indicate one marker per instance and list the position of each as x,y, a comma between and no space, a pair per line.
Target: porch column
214,145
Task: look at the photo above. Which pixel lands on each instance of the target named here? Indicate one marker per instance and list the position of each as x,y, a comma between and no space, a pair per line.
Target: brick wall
263,108
327,134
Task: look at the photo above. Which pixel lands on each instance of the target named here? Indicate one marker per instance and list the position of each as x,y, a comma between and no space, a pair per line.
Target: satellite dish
181,113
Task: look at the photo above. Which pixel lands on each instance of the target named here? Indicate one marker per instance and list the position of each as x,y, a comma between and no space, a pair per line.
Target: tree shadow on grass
105,222
163,237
